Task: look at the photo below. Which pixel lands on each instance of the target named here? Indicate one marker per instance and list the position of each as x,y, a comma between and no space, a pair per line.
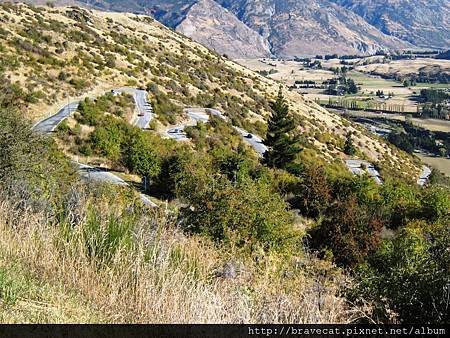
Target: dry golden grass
164,277
405,67
150,48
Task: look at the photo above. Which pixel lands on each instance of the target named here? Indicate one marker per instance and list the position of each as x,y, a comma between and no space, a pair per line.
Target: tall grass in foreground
132,265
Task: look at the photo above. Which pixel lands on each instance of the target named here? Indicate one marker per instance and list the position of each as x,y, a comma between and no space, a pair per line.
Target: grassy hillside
113,268
56,55
291,237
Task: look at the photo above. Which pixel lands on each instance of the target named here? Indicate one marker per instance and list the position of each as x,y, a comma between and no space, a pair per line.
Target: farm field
405,67
289,71
442,164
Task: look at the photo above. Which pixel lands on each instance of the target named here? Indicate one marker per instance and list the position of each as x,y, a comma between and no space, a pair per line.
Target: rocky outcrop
424,23
212,25
304,28
289,28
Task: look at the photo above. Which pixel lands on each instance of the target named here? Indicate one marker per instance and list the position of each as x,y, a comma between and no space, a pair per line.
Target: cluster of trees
341,86
436,103
316,64
434,95
380,93
413,137
361,104
245,203
423,76
267,72
443,56
409,82
306,84
353,217
340,70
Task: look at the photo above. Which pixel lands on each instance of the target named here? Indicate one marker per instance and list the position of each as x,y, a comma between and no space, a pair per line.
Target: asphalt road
144,108
424,176
195,115
254,140
142,120
49,124
201,115
101,175
356,167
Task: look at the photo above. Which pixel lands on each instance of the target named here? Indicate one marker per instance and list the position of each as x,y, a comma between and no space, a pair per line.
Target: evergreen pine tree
283,147
349,147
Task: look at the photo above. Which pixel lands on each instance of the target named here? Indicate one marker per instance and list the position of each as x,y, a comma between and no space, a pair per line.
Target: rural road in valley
201,115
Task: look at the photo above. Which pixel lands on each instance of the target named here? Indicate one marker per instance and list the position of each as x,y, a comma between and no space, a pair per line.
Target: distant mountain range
289,28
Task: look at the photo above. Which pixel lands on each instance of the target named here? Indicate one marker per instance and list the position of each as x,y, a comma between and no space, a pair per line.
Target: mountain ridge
287,28
110,50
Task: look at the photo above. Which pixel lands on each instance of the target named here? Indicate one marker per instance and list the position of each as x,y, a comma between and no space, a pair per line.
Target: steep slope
291,28
424,23
213,26
110,50
311,27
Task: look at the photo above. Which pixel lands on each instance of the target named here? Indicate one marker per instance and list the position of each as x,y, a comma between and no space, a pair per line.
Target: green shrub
10,289
407,279
141,158
246,214
109,137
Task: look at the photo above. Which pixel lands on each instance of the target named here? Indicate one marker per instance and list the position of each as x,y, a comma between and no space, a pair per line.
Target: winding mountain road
202,115
145,111
145,115
49,124
141,120
424,176
359,167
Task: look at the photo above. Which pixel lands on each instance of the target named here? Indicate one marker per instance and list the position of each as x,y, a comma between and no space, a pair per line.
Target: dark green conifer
349,147
283,146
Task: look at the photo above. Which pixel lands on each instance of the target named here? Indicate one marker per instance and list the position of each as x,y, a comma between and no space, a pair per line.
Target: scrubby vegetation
287,238
110,51
227,247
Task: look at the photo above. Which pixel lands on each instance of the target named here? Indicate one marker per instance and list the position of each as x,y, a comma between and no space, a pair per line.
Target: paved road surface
97,174
145,111
195,115
254,140
356,167
101,175
424,176
49,124
201,115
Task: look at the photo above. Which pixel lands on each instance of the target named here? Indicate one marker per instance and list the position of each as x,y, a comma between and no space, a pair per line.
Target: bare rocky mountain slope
213,26
425,23
311,27
55,55
288,28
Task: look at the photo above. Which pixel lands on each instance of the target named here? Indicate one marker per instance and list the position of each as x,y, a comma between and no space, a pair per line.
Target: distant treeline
421,77
414,137
435,104
444,55
371,106
395,56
